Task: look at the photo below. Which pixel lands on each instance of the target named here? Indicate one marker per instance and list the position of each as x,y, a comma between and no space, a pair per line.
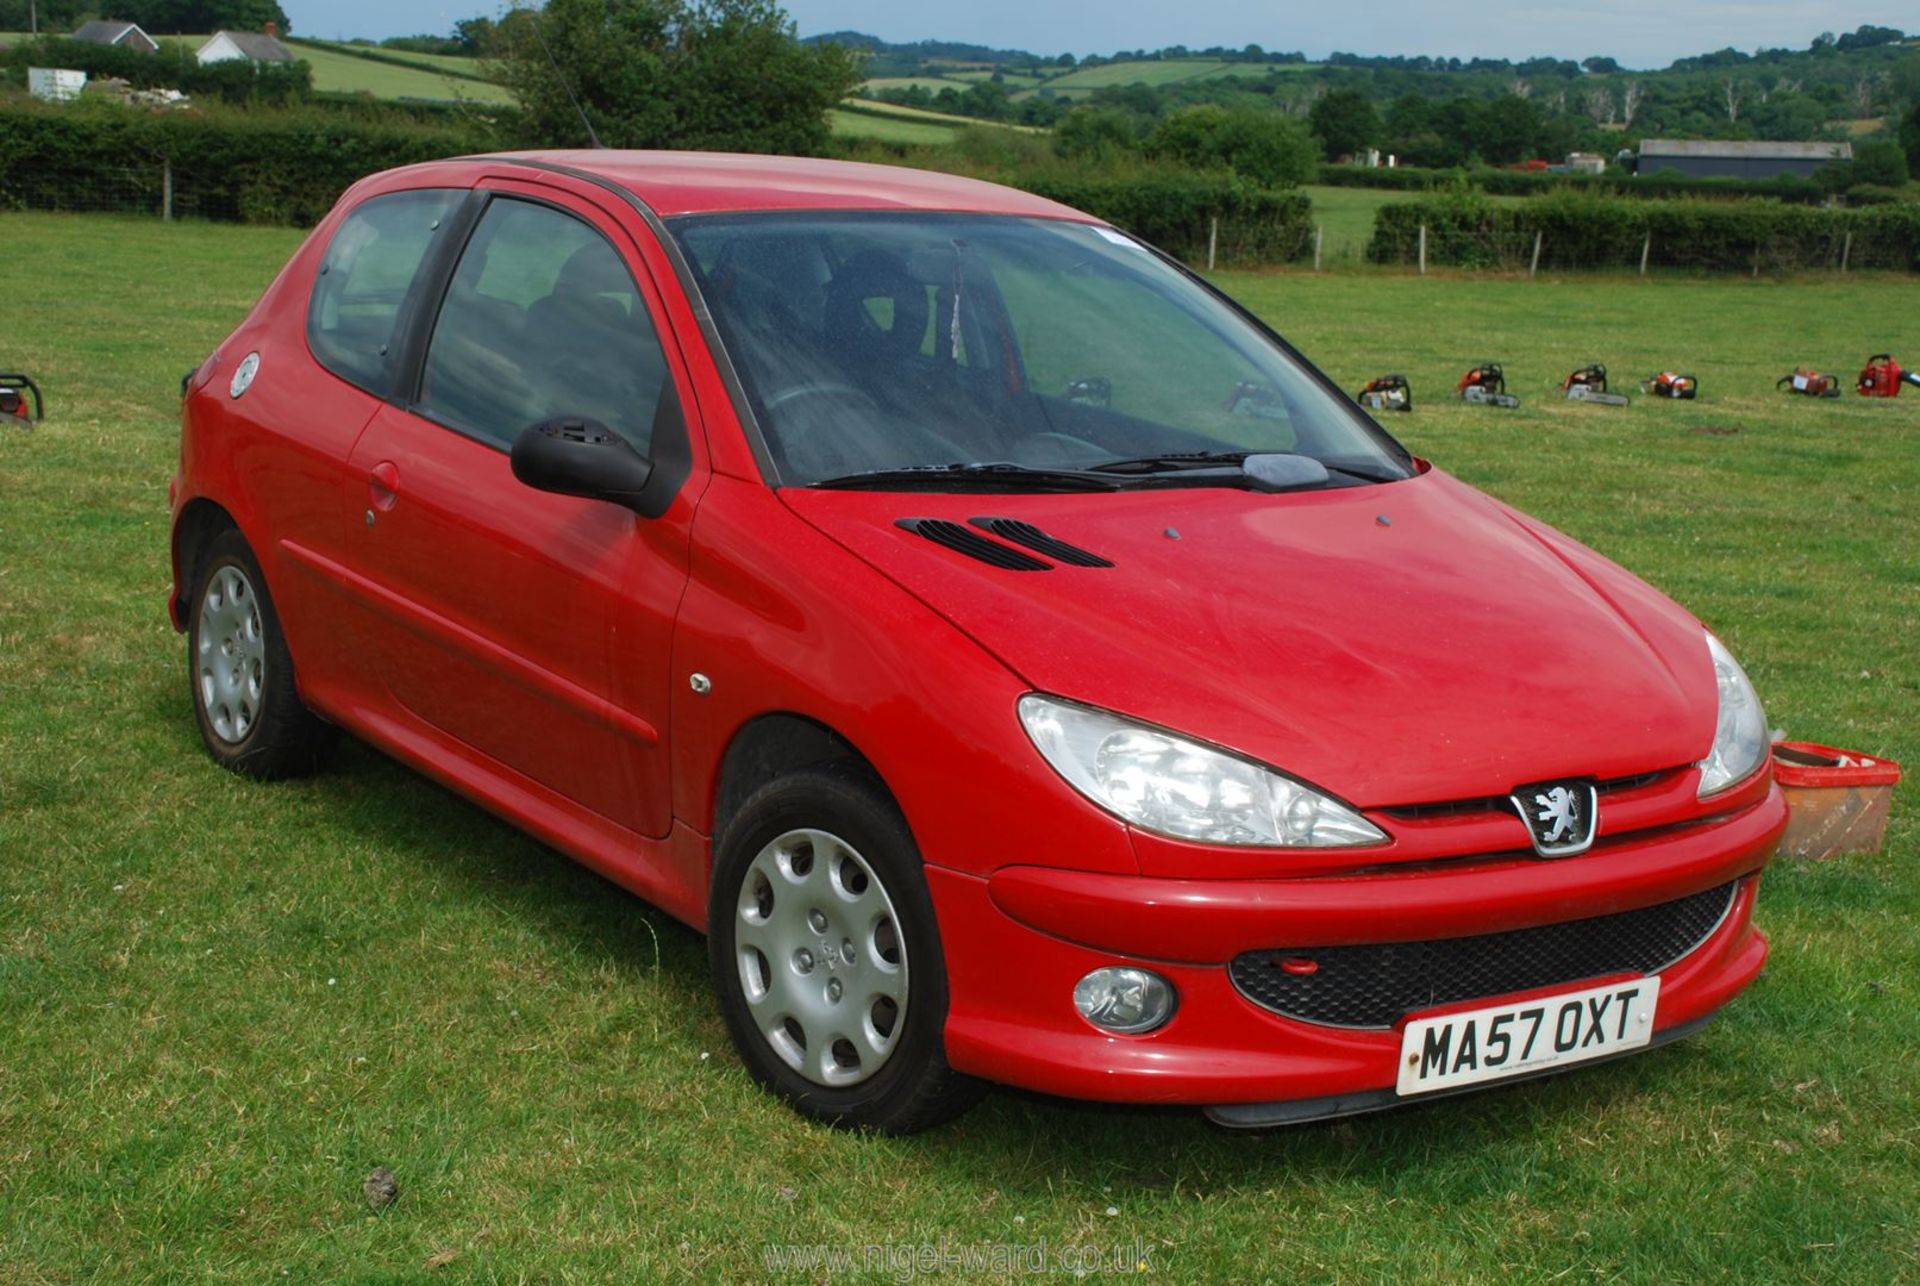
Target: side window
369,267
542,319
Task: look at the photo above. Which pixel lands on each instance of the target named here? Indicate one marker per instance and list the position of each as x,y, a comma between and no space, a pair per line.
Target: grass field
1346,215
222,1003
890,129
337,71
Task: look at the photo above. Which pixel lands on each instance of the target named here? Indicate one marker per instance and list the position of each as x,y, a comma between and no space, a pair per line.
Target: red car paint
1396,646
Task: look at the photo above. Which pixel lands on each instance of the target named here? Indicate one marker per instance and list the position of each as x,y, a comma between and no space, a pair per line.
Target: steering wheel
863,440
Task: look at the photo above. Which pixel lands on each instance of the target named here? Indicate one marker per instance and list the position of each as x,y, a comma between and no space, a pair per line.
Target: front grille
1378,984
1504,804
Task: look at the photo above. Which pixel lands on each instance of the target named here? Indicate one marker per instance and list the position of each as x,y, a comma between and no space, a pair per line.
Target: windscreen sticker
1118,238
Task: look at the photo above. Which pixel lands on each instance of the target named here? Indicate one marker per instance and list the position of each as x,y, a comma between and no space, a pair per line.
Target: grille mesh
1378,984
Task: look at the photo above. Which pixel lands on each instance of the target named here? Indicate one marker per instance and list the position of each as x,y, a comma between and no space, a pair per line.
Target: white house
253,46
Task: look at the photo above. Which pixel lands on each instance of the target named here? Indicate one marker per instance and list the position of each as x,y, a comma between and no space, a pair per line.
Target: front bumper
1017,941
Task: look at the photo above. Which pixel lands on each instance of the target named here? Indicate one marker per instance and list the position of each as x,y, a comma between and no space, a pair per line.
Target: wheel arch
770,746
199,521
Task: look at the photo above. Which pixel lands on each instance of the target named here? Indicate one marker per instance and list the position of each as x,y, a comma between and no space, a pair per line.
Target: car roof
675,183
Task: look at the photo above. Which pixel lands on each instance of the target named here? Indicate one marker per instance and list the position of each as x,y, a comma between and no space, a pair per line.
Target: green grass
222,1003
343,72
887,128
1167,71
932,84
1346,215
335,70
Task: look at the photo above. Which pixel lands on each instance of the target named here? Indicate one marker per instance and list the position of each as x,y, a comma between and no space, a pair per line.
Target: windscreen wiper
1171,461
990,476
1190,461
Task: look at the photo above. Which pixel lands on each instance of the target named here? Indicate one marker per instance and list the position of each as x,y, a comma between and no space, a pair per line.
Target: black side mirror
575,456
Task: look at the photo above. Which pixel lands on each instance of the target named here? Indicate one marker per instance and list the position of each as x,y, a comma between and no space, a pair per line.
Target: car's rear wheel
249,711
827,958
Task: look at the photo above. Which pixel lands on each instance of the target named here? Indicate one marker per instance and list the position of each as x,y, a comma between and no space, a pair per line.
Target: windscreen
885,341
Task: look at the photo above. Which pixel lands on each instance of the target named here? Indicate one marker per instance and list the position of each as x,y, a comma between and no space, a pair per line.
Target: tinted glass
880,341
369,267
542,319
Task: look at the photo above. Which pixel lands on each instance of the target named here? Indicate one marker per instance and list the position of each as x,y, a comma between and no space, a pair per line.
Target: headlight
1168,784
1740,734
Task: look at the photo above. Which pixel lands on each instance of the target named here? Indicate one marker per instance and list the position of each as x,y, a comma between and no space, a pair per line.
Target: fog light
1124,1000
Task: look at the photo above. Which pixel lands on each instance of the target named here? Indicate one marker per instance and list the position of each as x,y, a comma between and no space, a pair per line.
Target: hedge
252,167
173,67
1175,211
1578,231
290,167
1663,186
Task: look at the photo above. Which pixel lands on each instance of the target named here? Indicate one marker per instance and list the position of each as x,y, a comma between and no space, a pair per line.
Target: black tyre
826,955
250,714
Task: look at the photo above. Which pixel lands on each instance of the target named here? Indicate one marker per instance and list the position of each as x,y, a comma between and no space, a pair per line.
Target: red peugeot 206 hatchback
1023,664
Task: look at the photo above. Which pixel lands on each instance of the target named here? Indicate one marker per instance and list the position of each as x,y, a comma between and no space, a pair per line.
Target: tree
1600,65
726,75
1093,133
1882,162
1910,139
1510,130
1345,122
158,16
1263,146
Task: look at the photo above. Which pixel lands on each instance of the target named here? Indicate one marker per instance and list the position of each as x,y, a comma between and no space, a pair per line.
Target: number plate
1475,1045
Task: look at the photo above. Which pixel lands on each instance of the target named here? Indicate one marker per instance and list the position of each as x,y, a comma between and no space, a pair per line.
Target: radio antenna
562,78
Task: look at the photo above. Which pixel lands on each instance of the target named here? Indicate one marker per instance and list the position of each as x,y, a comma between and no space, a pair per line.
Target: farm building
111,31
254,46
1709,159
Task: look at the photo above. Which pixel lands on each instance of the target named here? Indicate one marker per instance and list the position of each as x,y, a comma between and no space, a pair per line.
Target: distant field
1346,214
1165,71
889,128
454,64
339,72
932,84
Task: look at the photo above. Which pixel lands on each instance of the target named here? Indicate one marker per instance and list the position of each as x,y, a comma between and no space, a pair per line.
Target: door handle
383,486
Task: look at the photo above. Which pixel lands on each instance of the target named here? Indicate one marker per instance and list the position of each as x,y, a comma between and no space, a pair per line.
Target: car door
532,629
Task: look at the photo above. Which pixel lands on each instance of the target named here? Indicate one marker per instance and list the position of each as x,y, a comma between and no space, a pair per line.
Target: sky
1639,33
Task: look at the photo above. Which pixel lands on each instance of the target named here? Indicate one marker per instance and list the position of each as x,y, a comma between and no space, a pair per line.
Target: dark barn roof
1755,159
111,31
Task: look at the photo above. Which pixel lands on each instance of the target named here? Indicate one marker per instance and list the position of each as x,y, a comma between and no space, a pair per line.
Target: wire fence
157,191
1522,240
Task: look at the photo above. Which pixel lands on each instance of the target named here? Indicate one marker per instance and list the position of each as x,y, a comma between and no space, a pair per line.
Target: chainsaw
1388,393
1671,384
1882,377
1589,384
13,402
1486,385
1809,383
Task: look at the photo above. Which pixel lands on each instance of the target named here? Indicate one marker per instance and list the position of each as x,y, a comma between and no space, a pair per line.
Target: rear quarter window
370,267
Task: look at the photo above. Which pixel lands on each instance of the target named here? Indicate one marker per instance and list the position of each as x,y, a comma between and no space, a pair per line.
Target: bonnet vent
964,540
1025,533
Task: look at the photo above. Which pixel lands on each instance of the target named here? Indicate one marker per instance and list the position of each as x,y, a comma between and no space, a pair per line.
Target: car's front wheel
250,713
827,958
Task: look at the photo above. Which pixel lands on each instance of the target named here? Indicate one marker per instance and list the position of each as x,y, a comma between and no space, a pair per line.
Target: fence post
1533,269
1846,250
1423,250
166,190
1319,235
1646,249
1213,240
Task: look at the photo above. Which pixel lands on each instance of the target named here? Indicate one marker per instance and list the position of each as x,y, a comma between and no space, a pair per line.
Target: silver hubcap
230,655
821,958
